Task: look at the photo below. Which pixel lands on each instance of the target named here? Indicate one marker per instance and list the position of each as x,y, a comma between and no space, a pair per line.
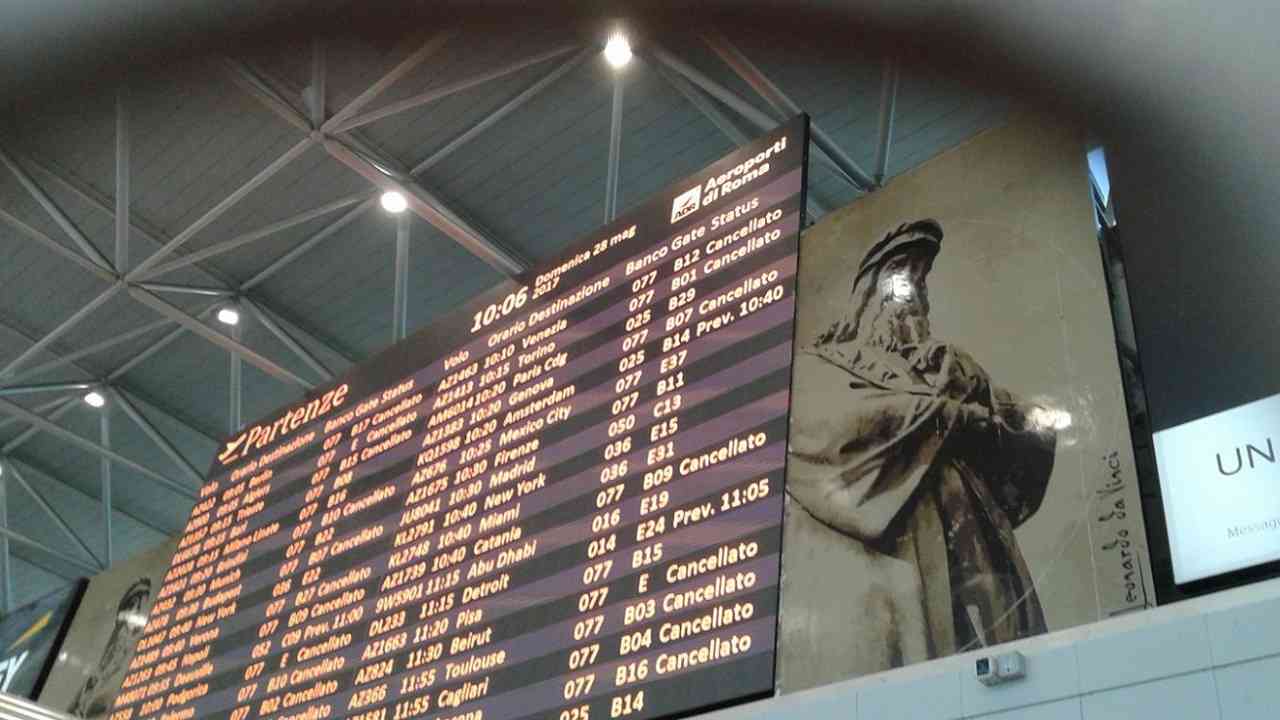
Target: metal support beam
84,352
6,579
444,91
399,306
52,414
305,246
434,43
187,289
266,231
41,409
248,80
11,390
59,217
615,151
104,425
215,337
56,246
288,340
123,193
319,83
762,120
228,343
146,230
237,386
59,521
723,122
217,210
428,207
504,110
784,105
37,545
52,428
387,175
61,329
34,471
888,105
121,400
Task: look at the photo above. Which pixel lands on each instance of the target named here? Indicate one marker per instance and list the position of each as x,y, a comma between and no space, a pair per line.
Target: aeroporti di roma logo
686,203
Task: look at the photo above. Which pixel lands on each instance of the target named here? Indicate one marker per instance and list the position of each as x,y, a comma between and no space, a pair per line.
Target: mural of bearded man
906,458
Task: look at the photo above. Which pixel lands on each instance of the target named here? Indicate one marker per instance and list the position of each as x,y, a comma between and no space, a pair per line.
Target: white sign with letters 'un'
1220,479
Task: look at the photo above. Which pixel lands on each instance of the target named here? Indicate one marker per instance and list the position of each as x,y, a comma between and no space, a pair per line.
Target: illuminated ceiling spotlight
394,202
617,52
229,315
95,399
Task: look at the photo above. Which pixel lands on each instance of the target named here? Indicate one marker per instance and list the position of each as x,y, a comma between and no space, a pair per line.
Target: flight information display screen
563,501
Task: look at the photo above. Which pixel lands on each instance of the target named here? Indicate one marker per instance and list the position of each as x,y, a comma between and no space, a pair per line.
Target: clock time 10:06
496,311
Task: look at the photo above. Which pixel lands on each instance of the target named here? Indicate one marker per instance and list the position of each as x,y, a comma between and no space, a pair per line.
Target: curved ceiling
253,174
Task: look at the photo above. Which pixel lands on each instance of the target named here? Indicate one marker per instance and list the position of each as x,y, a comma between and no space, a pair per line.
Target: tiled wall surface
1213,658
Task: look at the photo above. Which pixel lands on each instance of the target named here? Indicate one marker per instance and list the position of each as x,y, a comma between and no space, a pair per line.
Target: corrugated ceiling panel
539,168
354,63
415,134
83,512
132,493
326,283
312,180
16,201
664,137
264,393
212,150
189,374
433,292
31,582
70,128
248,260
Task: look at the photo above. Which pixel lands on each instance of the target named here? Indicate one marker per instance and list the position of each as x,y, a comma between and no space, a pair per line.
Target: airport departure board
562,502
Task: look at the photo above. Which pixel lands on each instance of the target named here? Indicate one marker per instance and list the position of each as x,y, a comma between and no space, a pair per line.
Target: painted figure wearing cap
920,464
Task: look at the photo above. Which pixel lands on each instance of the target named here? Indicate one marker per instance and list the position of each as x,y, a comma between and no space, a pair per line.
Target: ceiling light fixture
229,315
95,399
394,202
617,51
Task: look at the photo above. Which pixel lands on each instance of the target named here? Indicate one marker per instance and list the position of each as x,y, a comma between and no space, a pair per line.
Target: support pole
51,413
305,246
753,76
319,90
71,358
104,426
504,110
383,173
57,518
400,304
724,123
52,428
42,198
222,207
288,340
615,151
122,183
72,560
888,103
6,578
444,91
62,328
187,289
237,383
432,44
222,340
119,398
13,390
56,247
